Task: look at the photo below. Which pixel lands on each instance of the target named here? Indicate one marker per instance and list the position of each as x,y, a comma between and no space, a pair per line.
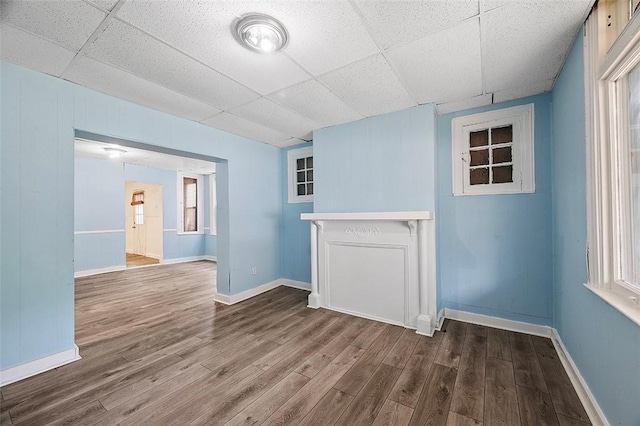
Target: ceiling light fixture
114,152
260,33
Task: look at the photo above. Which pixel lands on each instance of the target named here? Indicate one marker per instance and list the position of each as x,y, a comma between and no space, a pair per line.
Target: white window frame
606,139
292,156
200,206
522,119
213,205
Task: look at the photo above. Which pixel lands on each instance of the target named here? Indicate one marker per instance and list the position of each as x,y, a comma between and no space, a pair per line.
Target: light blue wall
604,344
296,240
495,250
98,206
39,114
383,163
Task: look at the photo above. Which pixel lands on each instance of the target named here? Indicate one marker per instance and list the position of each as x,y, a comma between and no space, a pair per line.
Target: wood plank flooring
140,260
156,350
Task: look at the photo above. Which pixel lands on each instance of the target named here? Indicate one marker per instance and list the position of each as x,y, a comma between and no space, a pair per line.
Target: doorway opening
143,223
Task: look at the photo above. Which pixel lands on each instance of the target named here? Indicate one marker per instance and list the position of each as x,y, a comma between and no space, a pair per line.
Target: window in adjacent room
213,205
300,163
493,152
137,201
190,196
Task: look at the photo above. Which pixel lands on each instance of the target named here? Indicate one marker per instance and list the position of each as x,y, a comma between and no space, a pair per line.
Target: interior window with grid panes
491,159
304,176
492,152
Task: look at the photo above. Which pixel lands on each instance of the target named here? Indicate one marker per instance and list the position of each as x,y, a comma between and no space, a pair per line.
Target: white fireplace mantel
377,265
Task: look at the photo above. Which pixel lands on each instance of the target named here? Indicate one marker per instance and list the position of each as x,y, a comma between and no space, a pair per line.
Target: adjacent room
344,212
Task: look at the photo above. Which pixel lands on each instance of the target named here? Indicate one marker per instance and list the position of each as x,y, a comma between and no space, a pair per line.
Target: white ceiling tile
69,23
395,22
476,101
442,67
24,49
243,127
529,89
528,41
369,86
272,115
105,78
203,30
134,51
315,101
323,35
93,149
104,4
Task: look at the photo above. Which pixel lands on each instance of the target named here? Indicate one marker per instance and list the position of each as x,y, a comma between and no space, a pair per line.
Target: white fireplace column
375,265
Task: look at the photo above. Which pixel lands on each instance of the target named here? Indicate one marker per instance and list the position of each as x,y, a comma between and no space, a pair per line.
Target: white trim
296,284
211,258
627,304
28,369
501,323
396,216
440,320
183,260
521,118
292,156
89,272
589,402
607,240
103,231
252,292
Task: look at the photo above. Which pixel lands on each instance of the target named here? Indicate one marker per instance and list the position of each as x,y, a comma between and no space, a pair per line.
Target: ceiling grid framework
345,60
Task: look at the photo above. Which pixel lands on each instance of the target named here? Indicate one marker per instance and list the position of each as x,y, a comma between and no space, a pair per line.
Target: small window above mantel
492,152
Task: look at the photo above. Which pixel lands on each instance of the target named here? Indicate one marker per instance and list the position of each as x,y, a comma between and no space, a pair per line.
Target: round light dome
260,33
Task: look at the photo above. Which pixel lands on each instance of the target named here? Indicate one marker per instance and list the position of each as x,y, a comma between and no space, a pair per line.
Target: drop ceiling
93,149
345,60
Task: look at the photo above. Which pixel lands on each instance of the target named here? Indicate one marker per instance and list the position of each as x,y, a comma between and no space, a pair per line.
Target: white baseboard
589,402
440,320
296,284
183,260
28,369
248,294
495,322
211,258
90,272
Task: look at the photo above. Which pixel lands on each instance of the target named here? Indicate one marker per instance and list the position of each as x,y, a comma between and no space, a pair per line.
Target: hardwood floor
157,350
140,260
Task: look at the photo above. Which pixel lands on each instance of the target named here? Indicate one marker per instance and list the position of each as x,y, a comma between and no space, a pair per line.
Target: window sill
190,233
300,199
622,302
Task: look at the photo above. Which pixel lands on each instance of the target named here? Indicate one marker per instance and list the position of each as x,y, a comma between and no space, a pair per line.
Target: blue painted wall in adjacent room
494,251
39,115
296,240
604,344
99,209
382,163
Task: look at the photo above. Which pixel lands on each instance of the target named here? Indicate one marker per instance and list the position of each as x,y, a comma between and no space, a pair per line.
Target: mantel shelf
390,216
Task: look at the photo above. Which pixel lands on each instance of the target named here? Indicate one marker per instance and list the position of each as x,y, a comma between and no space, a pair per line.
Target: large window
492,152
300,175
190,196
613,163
